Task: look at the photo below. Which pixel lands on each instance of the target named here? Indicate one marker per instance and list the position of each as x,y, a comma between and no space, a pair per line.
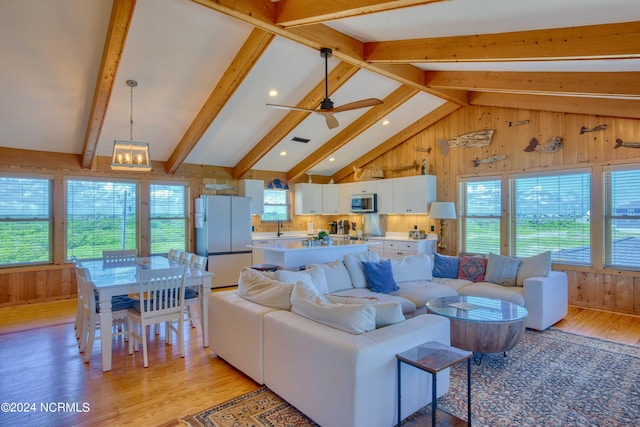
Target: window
480,220
167,218
276,205
25,220
552,214
622,217
101,215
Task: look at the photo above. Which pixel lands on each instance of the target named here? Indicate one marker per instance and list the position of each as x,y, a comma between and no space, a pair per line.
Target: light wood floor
40,363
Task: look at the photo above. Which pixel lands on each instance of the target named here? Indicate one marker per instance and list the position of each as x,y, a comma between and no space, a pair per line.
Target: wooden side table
433,357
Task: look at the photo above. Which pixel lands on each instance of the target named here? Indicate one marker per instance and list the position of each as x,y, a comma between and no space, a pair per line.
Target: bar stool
265,267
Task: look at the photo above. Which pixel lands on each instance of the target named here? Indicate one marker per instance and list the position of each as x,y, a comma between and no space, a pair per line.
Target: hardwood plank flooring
40,364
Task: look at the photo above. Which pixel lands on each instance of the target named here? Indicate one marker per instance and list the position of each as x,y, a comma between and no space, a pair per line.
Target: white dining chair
198,262
160,300
185,258
88,325
174,255
117,258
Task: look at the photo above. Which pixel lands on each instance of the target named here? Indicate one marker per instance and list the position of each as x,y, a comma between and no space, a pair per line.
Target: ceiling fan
326,106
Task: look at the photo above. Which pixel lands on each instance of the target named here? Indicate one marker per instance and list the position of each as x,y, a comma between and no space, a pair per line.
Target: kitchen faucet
279,226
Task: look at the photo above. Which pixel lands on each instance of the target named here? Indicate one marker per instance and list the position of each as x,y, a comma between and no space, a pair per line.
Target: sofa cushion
312,276
535,266
352,318
420,292
353,262
411,268
472,268
337,276
455,284
512,294
387,313
502,270
445,266
380,276
408,308
257,287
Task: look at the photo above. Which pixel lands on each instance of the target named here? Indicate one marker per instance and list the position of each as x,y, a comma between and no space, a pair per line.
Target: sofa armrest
546,299
315,367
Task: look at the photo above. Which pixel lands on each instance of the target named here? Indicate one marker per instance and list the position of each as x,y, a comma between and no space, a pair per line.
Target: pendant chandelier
131,155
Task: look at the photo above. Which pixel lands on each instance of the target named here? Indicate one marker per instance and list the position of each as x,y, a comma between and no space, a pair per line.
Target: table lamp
442,211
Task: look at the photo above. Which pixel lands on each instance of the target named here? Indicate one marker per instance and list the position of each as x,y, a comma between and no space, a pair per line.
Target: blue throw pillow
446,267
380,276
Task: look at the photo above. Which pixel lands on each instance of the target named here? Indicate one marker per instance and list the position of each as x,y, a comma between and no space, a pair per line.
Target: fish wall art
621,143
491,159
550,147
479,138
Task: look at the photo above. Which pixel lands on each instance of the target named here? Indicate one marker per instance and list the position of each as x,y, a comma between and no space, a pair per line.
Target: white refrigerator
223,235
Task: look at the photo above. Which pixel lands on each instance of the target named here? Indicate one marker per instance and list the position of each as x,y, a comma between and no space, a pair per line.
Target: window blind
276,205
167,216
622,218
481,216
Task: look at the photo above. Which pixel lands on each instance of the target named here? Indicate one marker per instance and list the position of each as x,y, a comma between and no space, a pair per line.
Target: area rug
550,378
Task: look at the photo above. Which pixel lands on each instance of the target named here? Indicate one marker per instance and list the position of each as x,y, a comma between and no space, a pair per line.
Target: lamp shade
130,155
443,210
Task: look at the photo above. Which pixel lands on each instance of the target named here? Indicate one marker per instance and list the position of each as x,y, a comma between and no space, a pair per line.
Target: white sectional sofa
339,378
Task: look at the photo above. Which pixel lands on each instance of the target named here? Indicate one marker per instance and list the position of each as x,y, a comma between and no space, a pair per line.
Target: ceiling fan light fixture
131,155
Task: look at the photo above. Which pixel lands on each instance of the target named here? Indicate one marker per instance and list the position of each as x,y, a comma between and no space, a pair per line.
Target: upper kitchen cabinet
253,188
414,194
308,199
330,199
363,187
344,198
384,190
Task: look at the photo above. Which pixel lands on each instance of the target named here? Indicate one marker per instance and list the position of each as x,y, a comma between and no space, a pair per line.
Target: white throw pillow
411,268
336,274
387,313
535,266
256,287
312,276
352,318
353,262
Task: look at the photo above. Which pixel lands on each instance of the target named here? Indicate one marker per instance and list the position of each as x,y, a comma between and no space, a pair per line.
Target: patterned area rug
550,378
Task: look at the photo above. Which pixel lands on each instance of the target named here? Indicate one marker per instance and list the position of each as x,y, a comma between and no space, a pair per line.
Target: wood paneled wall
595,287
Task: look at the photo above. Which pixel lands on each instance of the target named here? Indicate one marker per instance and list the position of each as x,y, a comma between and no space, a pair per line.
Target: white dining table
123,280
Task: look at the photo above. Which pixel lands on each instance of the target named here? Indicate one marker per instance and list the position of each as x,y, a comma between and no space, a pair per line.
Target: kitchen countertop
400,236
297,246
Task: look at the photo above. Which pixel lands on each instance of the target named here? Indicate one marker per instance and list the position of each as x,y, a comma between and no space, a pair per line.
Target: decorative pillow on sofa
257,287
445,267
387,313
312,276
352,318
353,262
472,268
336,274
412,268
535,266
502,270
380,276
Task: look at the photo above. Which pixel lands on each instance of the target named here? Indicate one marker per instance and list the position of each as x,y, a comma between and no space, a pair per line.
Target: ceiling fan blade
332,122
287,107
369,102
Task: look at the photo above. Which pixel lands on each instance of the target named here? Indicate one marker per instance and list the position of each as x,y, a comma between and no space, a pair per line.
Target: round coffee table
481,325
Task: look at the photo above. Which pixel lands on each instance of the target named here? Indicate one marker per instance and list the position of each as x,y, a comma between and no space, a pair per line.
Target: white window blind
101,215
622,218
167,217
276,205
481,216
25,220
552,213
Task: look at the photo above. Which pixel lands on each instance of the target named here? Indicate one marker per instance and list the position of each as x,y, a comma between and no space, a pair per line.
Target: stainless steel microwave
364,203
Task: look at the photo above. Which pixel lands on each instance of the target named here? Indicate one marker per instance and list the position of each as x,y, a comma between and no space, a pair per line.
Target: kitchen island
293,255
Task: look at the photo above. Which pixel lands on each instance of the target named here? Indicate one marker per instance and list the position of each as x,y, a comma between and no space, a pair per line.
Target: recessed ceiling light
332,159
385,122
273,93
283,153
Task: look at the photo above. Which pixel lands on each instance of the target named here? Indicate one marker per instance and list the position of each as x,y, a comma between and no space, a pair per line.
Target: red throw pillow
472,268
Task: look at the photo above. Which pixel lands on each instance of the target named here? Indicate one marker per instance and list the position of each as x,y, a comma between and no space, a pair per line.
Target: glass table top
476,309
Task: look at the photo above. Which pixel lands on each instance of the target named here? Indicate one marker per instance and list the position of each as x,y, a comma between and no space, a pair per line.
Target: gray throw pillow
502,270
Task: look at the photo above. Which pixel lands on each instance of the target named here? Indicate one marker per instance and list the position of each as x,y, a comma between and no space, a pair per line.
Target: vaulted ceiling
204,70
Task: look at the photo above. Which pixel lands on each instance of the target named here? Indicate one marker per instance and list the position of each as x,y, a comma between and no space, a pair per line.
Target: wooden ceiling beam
413,129
622,84
291,13
119,23
317,36
608,41
336,78
563,104
362,123
245,59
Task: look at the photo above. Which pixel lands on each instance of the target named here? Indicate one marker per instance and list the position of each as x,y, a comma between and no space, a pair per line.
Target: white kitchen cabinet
257,253
413,194
400,248
308,199
363,187
384,190
344,198
253,188
330,197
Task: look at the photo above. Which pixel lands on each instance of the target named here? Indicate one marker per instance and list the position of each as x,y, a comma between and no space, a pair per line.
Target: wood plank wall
595,287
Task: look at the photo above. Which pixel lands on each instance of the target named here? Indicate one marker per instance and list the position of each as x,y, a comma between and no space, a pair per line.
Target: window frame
187,197
463,199
50,229
265,204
